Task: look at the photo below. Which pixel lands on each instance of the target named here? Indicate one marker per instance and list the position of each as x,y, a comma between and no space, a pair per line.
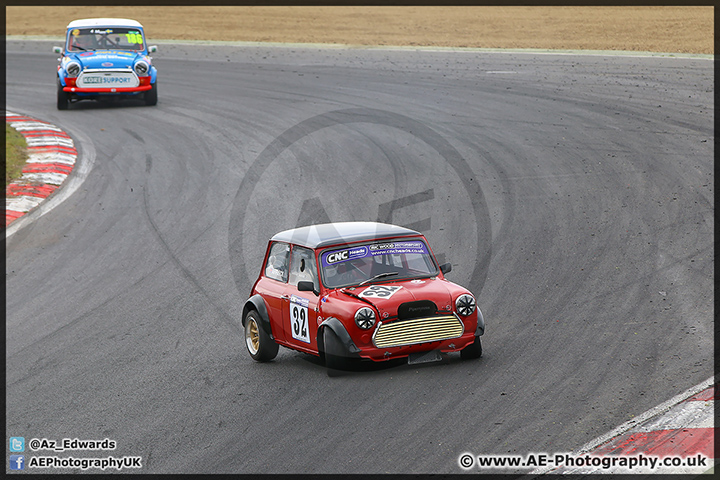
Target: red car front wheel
474,350
261,347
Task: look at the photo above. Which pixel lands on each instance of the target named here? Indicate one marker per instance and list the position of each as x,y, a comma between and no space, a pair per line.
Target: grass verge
15,154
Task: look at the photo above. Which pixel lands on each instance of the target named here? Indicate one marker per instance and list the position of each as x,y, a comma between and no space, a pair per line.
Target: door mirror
446,268
305,286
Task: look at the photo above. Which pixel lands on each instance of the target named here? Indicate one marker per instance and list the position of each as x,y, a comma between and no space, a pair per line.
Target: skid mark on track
384,121
187,274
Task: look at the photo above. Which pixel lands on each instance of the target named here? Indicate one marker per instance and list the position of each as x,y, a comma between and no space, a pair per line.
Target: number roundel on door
299,318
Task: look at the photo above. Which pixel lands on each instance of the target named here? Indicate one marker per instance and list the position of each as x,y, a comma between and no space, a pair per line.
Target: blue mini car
105,58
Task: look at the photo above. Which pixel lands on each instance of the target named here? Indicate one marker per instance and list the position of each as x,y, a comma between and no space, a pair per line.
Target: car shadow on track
107,104
366,367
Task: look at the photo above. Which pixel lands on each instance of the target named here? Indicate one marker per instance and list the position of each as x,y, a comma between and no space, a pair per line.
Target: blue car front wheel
63,99
151,95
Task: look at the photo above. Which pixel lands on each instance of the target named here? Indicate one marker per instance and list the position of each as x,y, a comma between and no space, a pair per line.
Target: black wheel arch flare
339,329
257,303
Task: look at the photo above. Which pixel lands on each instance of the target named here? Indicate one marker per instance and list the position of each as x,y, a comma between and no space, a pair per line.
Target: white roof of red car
327,234
104,22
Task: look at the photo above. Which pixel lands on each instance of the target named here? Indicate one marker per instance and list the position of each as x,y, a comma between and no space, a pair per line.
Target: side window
277,262
303,267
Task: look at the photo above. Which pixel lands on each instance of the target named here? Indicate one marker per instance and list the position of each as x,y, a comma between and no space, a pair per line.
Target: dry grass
675,29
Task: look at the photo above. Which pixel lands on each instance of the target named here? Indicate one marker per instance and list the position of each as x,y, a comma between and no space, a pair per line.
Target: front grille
418,330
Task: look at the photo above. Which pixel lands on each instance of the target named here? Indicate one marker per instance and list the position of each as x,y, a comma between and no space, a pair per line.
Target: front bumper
94,91
110,82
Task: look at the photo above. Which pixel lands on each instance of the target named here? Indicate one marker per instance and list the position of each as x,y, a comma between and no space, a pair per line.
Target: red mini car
358,290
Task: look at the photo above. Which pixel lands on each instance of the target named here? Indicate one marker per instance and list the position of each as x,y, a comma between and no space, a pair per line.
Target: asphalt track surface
573,194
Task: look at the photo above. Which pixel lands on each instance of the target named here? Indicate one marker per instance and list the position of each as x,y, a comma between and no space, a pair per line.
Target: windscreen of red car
354,264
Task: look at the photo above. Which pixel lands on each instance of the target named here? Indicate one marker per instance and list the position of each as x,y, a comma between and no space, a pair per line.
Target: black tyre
335,355
474,350
260,346
151,95
63,99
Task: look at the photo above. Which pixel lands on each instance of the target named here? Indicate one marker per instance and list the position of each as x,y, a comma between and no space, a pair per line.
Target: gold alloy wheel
252,336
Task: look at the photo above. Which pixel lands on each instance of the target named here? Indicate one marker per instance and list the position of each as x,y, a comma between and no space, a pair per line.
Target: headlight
141,68
465,305
365,318
73,69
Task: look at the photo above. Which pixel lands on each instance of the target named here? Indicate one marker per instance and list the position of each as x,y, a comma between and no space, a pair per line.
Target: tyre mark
186,273
351,116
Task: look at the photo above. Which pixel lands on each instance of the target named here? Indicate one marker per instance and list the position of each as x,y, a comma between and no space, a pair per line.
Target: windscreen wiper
379,275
